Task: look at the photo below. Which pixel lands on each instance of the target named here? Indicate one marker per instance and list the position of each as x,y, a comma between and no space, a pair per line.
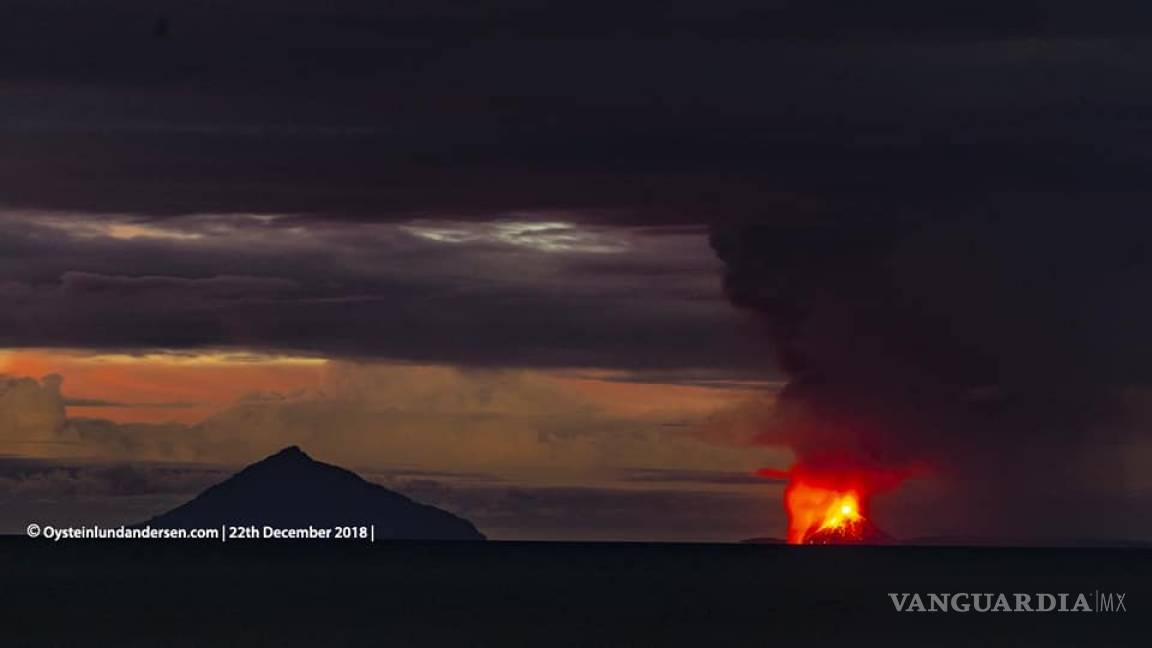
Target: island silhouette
290,489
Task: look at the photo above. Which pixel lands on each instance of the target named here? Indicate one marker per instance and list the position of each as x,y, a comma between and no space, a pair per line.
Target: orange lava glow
820,512
830,506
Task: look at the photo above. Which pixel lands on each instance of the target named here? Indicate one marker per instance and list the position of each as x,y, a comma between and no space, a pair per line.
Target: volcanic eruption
985,354
829,504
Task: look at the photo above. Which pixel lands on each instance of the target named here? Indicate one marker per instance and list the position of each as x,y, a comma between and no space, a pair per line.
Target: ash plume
996,353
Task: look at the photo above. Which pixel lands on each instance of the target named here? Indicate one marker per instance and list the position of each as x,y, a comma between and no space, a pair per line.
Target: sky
578,273
508,359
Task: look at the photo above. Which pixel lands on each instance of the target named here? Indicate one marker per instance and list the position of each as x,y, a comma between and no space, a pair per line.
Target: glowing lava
831,507
823,516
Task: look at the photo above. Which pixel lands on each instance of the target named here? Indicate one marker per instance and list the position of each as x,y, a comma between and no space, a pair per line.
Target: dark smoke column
987,355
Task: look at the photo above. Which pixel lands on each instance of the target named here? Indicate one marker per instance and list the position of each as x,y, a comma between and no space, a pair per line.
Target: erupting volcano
829,506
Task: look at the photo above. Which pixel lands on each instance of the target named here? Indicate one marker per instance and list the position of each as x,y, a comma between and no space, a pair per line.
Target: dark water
548,594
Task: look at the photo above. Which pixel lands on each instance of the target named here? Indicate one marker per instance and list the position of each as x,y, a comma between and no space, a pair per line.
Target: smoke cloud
985,353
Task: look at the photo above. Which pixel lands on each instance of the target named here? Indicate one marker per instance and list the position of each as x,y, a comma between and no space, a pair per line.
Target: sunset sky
579,277
474,364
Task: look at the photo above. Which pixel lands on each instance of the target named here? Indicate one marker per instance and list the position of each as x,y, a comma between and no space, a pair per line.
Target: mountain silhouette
291,490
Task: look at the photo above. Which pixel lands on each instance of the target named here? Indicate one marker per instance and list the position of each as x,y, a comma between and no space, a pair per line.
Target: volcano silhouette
861,531
290,490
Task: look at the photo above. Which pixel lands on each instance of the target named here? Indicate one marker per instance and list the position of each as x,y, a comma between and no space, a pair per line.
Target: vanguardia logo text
964,602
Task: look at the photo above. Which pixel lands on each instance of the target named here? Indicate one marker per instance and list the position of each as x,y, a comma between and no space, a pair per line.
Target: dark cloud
667,475
34,478
100,402
939,208
366,23
669,115
992,349
510,293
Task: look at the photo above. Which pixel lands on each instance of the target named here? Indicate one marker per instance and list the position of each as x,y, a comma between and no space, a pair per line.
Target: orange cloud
163,388
559,427
607,390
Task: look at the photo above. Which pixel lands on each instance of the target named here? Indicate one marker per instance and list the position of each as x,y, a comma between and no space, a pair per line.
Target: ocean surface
289,593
